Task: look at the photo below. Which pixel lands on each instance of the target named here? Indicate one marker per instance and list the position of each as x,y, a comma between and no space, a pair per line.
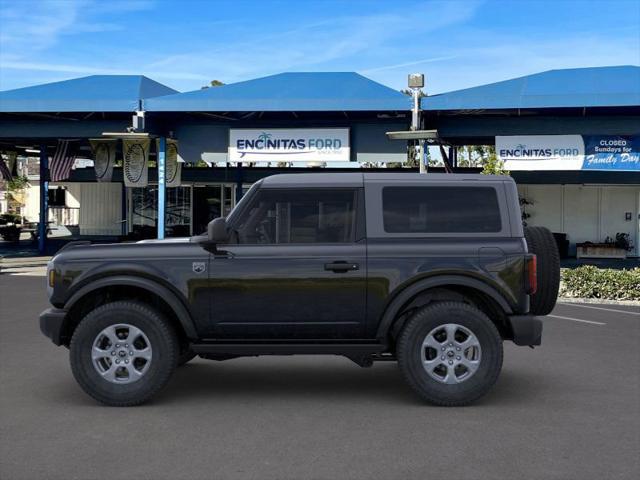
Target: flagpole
44,199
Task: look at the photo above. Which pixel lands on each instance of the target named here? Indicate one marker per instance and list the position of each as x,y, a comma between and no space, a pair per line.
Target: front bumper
52,324
527,329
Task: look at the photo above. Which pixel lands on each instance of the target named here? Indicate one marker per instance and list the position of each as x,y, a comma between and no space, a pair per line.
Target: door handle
341,266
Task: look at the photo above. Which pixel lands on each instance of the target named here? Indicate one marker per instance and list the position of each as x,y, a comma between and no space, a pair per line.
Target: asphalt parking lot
567,410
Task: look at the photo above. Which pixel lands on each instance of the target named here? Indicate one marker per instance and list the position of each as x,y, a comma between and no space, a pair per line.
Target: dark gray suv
433,271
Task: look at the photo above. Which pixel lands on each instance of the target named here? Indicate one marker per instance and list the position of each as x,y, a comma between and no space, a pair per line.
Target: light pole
416,83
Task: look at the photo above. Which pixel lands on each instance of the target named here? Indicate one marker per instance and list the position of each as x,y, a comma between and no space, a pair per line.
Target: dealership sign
569,152
289,145
611,152
541,152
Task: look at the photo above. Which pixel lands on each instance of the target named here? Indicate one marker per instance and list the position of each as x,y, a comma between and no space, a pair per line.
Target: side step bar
250,349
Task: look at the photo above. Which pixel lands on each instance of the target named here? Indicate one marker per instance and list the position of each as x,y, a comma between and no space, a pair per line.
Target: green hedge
593,282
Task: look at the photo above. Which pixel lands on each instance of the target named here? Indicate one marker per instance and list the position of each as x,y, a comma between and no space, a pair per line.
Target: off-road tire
409,346
163,342
540,241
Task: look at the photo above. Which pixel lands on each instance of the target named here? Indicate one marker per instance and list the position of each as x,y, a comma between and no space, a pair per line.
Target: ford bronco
432,271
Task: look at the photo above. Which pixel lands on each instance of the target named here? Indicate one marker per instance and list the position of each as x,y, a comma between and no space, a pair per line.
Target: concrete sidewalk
22,262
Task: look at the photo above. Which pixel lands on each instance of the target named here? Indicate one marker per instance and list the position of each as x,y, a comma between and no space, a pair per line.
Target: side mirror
217,230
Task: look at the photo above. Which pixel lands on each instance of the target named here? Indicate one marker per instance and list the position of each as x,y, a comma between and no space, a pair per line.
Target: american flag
5,173
62,161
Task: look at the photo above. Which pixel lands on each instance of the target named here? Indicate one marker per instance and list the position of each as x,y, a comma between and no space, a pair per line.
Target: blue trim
162,181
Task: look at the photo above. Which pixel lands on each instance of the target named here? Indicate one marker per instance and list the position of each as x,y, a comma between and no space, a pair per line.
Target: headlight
51,278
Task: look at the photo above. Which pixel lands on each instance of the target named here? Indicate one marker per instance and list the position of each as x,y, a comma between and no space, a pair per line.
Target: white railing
64,215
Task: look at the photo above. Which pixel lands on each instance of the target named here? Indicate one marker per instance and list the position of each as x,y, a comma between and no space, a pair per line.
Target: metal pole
415,92
162,150
419,146
44,199
423,157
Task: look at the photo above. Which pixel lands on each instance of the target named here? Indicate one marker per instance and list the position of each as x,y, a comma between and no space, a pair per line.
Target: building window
440,210
57,197
178,219
304,216
144,212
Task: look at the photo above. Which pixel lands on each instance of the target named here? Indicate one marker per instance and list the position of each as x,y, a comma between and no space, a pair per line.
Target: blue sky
184,44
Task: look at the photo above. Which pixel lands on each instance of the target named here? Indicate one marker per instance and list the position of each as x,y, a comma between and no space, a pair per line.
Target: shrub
593,282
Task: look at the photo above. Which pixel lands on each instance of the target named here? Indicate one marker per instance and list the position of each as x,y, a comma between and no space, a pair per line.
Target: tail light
532,274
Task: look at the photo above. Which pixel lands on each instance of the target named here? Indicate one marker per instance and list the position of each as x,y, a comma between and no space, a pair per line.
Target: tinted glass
440,210
299,216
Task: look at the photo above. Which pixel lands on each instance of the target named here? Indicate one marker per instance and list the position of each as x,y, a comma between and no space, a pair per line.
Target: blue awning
96,93
288,92
577,87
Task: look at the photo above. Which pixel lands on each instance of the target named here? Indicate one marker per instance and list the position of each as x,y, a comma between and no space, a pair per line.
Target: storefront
570,139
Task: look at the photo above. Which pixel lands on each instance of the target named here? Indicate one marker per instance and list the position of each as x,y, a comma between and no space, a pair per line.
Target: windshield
243,201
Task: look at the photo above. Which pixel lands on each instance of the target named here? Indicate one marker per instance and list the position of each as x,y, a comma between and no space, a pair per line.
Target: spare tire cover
540,241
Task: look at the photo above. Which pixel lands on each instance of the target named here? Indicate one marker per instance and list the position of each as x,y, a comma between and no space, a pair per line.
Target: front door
296,269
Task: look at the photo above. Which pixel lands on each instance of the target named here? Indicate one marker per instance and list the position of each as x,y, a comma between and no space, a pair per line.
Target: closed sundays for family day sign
289,145
569,152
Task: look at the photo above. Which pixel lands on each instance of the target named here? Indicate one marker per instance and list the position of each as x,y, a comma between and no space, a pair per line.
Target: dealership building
571,139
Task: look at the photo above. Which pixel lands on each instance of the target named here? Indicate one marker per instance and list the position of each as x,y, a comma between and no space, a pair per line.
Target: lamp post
416,83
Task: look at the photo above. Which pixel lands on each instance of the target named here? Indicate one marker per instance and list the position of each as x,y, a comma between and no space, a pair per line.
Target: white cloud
408,64
31,27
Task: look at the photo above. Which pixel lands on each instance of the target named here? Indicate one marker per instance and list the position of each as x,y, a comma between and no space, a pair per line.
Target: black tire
541,242
161,337
410,353
186,356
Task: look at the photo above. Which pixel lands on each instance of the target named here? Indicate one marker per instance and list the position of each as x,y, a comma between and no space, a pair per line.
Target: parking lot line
577,320
601,308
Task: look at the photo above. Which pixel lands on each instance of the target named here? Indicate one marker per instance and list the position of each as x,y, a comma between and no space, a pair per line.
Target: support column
123,210
239,181
44,199
162,155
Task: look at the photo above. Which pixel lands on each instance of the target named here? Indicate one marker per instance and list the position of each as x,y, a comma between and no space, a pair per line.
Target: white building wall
72,198
31,209
585,212
100,208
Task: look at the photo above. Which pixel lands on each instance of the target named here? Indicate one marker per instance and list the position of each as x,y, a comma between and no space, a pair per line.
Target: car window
440,210
299,216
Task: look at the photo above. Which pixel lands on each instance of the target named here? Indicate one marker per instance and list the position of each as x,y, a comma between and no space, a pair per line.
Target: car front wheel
123,353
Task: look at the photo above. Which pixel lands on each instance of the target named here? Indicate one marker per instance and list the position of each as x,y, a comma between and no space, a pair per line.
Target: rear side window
440,210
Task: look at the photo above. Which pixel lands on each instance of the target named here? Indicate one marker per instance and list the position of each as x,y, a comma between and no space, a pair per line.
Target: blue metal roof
306,91
576,87
96,93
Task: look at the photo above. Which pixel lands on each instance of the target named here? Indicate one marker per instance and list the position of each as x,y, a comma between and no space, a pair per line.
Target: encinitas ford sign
569,152
541,152
289,145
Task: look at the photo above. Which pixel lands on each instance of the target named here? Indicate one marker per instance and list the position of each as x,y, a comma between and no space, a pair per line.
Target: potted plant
611,247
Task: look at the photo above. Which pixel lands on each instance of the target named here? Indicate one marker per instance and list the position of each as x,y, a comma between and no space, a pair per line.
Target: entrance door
297,270
209,202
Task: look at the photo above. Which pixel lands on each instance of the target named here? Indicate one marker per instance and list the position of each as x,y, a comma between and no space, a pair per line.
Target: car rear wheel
450,353
123,353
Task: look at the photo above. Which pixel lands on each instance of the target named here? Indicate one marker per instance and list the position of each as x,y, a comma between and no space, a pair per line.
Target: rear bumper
527,329
52,323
